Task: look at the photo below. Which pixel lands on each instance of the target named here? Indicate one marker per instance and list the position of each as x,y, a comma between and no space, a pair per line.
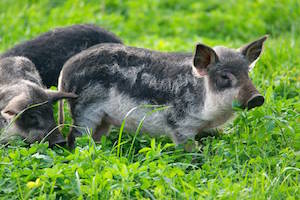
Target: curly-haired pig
49,51
25,104
198,88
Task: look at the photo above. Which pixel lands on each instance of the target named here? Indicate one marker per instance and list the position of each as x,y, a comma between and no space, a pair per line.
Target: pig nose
57,139
61,143
255,101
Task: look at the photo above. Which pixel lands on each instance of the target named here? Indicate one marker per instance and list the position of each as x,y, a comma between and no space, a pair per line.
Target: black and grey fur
21,88
51,50
199,88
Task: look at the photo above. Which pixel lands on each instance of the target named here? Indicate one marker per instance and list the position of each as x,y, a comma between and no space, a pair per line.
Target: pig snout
56,138
255,101
249,97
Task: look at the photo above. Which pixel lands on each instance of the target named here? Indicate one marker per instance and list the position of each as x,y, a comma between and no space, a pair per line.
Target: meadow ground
257,156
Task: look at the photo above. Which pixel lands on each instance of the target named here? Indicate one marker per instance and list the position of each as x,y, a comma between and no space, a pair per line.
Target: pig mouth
53,136
33,137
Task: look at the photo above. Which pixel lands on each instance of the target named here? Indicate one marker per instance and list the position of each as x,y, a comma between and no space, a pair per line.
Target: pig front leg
71,137
206,133
188,137
102,129
184,137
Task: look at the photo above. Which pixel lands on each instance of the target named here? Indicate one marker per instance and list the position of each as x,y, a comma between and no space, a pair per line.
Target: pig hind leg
86,127
87,122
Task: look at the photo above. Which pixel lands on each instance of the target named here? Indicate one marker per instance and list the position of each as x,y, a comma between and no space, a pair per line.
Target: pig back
157,77
51,50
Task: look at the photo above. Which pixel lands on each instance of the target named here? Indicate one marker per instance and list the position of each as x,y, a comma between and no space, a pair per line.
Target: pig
48,52
25,103
197,88
52,49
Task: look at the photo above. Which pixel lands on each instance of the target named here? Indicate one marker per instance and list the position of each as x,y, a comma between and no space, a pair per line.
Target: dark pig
51,50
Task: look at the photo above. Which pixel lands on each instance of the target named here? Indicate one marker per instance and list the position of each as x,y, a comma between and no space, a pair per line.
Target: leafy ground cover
257,156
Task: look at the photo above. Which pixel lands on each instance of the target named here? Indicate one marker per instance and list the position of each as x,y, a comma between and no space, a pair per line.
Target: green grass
256,157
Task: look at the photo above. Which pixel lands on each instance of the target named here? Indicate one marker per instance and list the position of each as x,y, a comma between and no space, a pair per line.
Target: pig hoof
190,146
206,133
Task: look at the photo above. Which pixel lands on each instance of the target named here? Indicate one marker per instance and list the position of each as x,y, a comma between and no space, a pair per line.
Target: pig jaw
11,130
217,105
53,136
218,108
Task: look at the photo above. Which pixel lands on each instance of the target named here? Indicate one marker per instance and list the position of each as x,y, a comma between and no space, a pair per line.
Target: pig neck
10,74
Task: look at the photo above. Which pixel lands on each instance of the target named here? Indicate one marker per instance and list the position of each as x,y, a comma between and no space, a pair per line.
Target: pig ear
57,95
9,113
15,106
204,56
253,50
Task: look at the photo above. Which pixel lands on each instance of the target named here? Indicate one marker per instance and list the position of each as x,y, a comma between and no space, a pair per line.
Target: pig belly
118,106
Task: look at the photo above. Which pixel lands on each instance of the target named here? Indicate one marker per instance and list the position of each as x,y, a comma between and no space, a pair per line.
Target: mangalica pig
25,104
52,49
198,88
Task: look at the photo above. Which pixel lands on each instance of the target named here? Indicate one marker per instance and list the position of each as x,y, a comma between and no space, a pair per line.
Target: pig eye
225,77
224,80
32,120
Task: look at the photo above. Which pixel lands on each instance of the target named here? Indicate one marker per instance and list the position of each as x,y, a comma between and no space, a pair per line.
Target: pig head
226,73
26,107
